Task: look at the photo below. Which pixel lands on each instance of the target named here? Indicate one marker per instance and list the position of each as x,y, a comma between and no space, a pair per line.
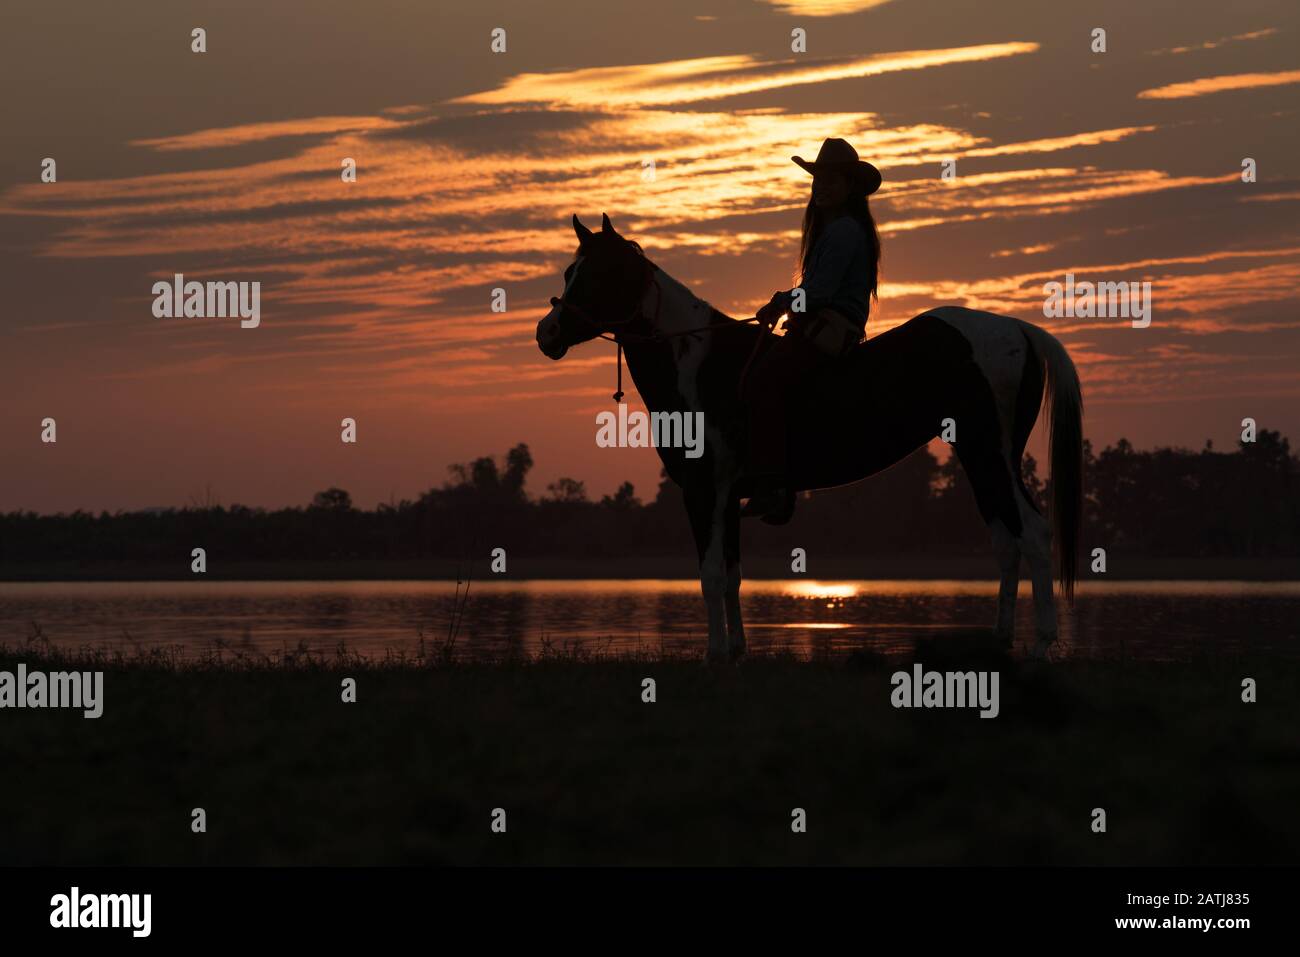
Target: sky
376,295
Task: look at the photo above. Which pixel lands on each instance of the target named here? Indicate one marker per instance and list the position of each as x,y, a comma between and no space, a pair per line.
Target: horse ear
583,232
605,225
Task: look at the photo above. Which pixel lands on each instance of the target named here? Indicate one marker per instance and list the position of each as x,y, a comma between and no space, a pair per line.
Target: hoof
716,656
1042,646
1005,637
736,650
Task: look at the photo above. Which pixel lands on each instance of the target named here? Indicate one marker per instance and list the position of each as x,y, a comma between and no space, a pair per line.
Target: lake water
1153,620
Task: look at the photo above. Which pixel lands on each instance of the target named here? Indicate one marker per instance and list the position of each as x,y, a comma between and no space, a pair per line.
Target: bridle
648,280
618,331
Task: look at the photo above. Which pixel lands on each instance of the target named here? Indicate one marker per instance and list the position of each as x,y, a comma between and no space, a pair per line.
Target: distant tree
485,481
518,461
623,499
479,475
1270,448
567,490
1262,496
332,500
668,493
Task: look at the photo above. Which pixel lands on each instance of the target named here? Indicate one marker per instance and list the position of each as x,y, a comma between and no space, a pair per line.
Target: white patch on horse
554,315
679,310
998,348
577,264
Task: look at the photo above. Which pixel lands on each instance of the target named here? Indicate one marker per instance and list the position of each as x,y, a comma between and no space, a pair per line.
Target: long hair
857,207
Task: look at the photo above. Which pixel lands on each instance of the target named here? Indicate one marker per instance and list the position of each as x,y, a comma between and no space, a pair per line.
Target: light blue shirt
839,271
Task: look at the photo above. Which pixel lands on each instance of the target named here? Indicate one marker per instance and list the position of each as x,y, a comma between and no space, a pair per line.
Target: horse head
603,290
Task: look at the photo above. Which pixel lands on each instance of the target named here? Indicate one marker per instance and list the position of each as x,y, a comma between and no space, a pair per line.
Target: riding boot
772,498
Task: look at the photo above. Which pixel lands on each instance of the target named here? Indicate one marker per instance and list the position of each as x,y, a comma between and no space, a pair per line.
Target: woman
839,258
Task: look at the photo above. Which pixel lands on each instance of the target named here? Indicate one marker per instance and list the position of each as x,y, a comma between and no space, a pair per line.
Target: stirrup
784,509
773,505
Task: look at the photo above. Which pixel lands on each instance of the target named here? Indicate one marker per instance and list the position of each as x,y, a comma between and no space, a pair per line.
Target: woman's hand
776,306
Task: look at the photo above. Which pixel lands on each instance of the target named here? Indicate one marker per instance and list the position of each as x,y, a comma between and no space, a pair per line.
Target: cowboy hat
837,154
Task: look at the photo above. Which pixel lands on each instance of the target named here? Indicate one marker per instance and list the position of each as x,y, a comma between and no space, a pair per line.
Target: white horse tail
1063,407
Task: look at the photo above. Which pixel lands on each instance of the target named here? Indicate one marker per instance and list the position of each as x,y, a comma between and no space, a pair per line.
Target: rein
654,335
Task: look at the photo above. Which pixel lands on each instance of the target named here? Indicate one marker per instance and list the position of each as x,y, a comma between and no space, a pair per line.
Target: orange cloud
257,132
1220,84
706,78
1211,44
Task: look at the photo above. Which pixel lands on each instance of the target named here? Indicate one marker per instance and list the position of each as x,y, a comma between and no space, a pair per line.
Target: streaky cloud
1220,84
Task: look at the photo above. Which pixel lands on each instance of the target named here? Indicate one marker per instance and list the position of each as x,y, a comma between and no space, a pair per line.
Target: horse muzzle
549,340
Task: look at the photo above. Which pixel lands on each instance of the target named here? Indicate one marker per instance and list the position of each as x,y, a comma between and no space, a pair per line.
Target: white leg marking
1007,549
713,580
735,626
680,310
1036,542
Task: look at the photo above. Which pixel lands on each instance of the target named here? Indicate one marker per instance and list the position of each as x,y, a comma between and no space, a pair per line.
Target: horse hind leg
1036,543
1006,548
1000,503
1007,396
993,433
1036,532
1026,534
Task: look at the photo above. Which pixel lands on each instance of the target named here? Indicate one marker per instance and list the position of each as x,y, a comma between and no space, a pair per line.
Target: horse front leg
708,523
731,549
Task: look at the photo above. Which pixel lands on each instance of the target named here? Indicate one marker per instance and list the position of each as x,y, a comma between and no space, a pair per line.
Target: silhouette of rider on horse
839,259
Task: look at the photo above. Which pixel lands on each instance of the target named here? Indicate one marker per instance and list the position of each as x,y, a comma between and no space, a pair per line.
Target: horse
950,370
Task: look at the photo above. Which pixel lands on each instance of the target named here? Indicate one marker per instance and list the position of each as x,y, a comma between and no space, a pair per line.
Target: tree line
1160,502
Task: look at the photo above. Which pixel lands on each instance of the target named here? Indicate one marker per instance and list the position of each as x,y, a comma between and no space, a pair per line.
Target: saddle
838,385
837,337
832,334
830,331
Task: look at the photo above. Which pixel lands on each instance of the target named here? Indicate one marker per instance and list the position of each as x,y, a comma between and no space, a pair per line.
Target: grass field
708,774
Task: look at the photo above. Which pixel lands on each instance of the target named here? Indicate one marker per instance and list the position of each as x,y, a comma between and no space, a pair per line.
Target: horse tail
1063,408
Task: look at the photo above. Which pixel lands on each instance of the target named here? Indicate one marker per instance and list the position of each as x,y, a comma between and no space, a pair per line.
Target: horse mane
631,242
714,311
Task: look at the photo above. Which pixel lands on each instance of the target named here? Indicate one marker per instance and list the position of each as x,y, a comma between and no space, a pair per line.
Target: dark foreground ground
587,773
